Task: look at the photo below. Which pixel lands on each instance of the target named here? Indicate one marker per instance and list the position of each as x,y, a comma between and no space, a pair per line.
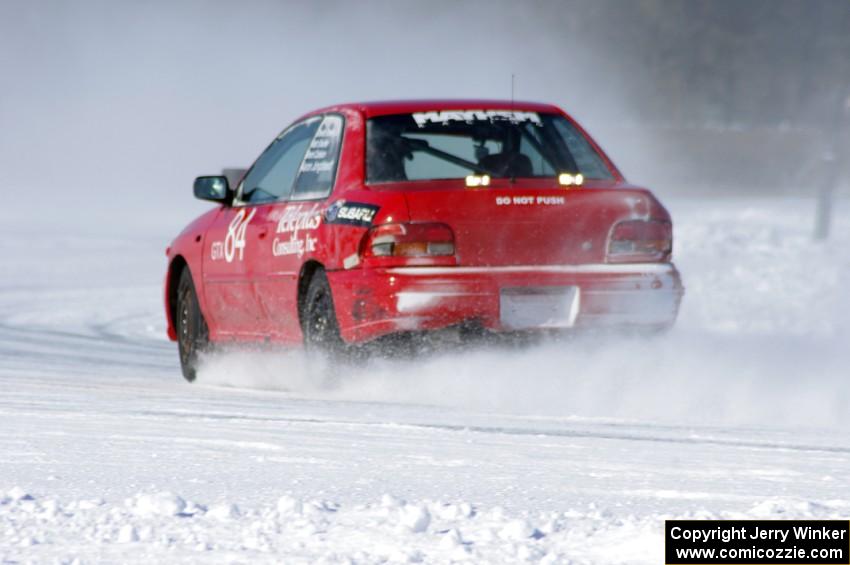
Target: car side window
318,168
273,175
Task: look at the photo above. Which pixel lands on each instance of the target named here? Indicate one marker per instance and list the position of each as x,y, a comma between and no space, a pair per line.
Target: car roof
385,107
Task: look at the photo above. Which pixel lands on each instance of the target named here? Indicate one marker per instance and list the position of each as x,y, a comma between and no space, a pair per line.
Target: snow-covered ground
559,453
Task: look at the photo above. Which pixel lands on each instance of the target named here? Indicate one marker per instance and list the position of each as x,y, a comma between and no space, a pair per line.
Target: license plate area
523,308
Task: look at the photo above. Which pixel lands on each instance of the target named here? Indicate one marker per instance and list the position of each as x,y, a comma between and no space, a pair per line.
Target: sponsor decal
469,116
296,219
294,245
321,154
351,213
527,200
234,241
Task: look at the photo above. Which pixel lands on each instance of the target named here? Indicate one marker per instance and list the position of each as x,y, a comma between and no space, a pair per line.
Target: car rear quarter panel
337,241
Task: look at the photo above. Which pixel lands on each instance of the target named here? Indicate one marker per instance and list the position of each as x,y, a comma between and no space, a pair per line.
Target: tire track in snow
541,432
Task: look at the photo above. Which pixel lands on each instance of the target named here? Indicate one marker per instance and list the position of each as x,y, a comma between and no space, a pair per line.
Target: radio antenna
512,92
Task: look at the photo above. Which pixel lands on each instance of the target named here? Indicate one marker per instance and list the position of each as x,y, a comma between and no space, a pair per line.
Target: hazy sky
142,96
127,101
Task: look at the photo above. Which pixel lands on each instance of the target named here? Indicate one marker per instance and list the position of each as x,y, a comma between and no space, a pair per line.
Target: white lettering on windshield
470,116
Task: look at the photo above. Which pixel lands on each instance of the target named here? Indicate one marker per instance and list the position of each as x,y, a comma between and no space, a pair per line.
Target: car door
293,225
239,234
231,303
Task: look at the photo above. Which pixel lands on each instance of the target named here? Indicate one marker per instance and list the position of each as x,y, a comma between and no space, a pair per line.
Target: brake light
409,240
640,240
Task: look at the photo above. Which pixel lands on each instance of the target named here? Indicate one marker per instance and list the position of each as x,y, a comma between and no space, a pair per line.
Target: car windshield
499,143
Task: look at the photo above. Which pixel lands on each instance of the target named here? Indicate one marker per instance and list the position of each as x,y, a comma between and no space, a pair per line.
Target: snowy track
558,453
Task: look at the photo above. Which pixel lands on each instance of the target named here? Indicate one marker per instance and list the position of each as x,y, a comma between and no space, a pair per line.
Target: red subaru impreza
365,220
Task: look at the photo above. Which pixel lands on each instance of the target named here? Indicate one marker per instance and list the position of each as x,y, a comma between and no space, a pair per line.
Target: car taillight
640,240
409,240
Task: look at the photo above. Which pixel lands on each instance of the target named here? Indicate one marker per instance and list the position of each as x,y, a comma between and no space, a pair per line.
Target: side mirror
215,189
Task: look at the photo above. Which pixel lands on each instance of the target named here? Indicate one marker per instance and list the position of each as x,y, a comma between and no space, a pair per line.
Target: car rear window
454,144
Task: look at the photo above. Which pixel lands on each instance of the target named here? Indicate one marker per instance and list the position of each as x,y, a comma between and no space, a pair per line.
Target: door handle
263,232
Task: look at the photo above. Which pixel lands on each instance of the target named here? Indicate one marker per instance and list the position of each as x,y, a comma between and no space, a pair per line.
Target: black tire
192,330
318,317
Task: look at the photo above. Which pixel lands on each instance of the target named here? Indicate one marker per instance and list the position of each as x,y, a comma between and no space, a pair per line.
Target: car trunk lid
532,223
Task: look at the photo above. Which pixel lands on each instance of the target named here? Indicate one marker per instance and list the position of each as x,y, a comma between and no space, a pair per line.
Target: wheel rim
187,329
319,321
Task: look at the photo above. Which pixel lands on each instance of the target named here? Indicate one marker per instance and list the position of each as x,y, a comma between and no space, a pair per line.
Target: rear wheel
318,320
192,331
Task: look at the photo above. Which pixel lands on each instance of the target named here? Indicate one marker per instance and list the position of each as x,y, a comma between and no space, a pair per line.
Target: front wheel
192,331
318,321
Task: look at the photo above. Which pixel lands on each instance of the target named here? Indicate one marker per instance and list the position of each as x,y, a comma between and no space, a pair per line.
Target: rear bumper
371,303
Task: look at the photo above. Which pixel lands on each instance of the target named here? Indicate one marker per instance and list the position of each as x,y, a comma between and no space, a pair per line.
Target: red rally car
365,220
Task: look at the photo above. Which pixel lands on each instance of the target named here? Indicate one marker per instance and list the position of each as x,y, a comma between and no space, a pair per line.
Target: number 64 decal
235,239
